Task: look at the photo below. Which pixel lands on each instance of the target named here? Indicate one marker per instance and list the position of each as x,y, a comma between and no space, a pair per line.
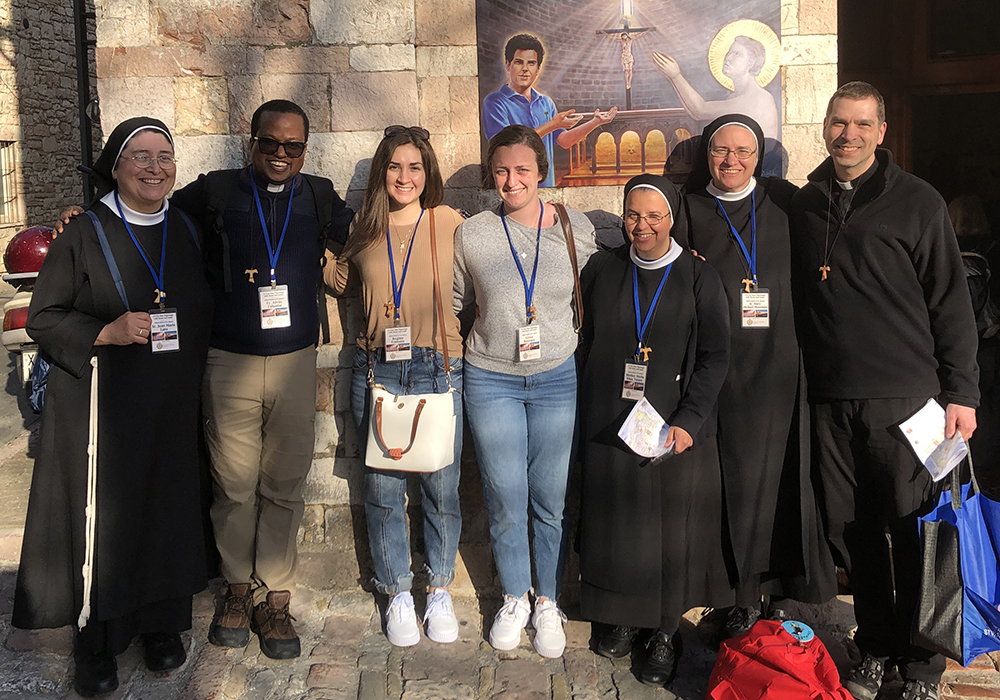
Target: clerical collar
272,187
131,215
672,254
859,180
732,196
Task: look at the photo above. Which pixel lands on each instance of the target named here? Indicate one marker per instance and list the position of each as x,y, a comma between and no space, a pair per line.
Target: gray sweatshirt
486,276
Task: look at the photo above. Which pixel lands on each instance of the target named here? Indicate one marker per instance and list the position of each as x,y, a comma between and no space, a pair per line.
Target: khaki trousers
260,413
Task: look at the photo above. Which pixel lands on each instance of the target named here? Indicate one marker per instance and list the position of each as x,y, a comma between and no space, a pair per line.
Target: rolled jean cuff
439,580
404,584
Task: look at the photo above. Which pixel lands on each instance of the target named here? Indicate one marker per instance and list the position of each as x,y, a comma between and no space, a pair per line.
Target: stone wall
38,107
356,66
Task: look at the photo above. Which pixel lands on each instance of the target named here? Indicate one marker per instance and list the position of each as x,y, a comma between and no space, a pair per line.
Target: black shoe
739,621
919,690
618,642
164,652
864,680
96,674
660,665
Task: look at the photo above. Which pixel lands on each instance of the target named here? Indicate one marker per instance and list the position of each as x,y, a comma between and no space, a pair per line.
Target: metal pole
83,44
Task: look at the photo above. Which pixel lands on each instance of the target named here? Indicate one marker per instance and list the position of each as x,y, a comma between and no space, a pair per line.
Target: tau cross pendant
824,269
250,273
747,283
390,308
160,296
531,313
645,353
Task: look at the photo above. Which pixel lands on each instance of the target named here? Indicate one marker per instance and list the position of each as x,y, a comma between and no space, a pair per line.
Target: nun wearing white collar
650,533
113,540
738,221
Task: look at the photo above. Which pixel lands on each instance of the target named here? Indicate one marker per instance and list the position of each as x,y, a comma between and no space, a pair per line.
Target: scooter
23,259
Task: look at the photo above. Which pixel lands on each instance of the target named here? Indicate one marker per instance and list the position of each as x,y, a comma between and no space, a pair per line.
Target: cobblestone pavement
346,657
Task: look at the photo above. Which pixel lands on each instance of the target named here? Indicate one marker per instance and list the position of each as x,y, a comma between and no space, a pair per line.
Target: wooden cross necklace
824,269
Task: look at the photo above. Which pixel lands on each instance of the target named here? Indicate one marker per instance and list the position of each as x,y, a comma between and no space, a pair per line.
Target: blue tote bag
957,614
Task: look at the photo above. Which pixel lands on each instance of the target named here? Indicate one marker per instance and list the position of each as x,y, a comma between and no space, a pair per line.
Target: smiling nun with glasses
113,542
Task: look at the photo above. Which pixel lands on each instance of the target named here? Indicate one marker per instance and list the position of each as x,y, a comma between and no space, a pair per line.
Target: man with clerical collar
886,323
265,228
518,102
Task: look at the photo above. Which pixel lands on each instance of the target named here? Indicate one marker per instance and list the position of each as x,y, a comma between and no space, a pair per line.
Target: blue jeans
385,491
523,429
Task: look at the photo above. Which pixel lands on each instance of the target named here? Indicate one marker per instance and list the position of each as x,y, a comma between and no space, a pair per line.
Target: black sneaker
739,621
618,642
660,665
919,690
864,680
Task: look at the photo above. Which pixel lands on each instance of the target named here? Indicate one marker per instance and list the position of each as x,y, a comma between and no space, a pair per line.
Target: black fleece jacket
893,319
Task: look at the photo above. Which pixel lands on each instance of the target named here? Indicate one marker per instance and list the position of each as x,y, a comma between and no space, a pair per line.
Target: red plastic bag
769,662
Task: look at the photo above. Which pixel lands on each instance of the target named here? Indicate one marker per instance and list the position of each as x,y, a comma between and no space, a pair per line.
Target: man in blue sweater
265,228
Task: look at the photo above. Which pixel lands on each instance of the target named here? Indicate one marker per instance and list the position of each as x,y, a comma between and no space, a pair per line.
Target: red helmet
26,252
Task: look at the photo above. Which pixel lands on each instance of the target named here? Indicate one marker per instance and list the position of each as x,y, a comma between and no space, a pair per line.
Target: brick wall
203,66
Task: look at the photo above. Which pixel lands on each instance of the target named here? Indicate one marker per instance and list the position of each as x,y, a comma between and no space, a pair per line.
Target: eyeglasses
268,146
418,131
651,219
144,160
723,152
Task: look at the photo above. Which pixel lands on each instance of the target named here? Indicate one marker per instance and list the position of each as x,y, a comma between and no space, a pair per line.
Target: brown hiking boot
231,627
273,624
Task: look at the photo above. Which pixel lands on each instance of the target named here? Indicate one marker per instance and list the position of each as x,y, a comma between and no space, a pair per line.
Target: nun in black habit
113,543
738,221
651,541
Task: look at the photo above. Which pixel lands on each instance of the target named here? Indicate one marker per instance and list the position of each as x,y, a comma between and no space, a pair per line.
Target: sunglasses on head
418,131
268,146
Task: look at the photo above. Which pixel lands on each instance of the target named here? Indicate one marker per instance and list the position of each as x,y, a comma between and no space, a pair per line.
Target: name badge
756,309
274,307
529,342
634,384
397,343
163,333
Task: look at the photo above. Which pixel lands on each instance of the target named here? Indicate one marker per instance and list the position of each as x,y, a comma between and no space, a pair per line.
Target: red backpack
776,661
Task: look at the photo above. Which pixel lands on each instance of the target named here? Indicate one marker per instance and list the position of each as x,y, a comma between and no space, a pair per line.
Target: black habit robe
150,547
650,534
772,524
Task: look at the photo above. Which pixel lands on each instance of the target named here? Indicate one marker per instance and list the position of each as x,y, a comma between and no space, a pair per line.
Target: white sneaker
442,625
505,634
401,621
550,639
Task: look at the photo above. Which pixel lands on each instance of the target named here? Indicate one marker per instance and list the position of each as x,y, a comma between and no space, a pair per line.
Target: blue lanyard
641,326
529,289
750,257
272,253
158,279
397,292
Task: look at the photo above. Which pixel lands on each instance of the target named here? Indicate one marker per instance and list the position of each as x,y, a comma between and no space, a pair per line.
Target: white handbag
413,432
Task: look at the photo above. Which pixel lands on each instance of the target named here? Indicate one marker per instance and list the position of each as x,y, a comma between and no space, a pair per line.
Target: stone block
362,21
58,641
458,156
806,91
464,93
305,89
475,574
809,50
789,17
335,677
311,527
344,525
335,570
578,634
521,679
446,61
343,630
233,22
446,22
435,104
349,445
202,154
383,57
342,390
327,433
365,99
443,663
335,481
246,94
436,690
125,23
325,379
818,16
122,98
10,547
961,690
307,59
201,106
345,157
172,61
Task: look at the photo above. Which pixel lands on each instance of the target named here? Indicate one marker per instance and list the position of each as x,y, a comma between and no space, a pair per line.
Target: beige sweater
370,268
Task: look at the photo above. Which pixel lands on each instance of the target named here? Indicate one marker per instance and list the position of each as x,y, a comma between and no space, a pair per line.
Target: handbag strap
956,483
109,257
396,453
567,228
